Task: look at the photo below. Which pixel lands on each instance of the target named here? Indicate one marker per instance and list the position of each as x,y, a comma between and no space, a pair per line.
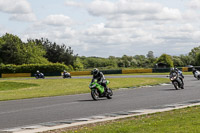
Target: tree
167,59
194,53
10,49
177,61
78,65
197,59
57,53
14,51
150,55
34,54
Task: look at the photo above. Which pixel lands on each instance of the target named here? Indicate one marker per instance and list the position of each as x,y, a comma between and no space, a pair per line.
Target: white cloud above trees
113,27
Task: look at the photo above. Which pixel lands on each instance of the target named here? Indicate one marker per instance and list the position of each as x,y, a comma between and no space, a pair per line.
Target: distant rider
38,73
65,72
100,78
193,71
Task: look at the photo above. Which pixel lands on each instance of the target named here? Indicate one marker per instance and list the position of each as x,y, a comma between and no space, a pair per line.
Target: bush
32,68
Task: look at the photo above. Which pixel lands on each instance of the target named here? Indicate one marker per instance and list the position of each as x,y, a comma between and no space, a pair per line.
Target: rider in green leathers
100,78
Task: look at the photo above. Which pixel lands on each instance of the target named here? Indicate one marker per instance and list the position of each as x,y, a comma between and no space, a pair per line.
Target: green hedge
160,70
32,68
111,71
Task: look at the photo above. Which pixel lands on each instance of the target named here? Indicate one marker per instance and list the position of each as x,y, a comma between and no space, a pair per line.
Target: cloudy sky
107,27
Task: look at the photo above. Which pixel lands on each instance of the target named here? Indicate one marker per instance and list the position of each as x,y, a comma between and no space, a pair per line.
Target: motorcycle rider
193,71
100,78
38,73
66,74
178,73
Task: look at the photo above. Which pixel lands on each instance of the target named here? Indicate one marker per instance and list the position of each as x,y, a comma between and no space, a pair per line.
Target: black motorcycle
39,75
176,81
67,75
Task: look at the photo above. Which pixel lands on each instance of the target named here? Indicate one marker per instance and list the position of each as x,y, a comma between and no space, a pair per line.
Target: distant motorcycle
176,81
67,75
40,75
197,74
98,91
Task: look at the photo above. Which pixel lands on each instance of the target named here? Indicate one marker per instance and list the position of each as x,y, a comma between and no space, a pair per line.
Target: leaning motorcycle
197,75
98,91
67,75
41,75
176,81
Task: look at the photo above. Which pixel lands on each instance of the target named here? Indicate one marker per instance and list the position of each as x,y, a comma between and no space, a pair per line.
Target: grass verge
5,86
177,121
57,87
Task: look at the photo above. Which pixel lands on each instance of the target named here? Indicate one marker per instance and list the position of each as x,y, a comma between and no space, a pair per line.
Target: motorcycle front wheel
175,83
110,93
95,95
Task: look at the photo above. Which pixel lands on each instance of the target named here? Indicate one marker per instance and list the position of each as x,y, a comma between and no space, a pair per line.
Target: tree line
42,51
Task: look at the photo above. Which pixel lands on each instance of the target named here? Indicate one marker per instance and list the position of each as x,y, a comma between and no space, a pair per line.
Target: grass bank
176,121
32,88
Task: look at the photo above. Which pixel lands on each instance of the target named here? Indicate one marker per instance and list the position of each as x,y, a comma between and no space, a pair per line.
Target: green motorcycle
98,91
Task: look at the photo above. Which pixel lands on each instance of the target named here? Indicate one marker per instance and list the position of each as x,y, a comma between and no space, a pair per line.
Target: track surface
18,113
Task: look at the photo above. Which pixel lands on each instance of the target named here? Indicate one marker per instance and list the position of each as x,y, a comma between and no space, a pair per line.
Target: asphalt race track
17,113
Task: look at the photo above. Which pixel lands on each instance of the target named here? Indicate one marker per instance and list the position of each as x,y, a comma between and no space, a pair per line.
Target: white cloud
58,20
74,4
23,17
20,10
15,6
194,4
132,9
125,27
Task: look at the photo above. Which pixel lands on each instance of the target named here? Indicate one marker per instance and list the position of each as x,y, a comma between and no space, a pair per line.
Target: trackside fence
79,73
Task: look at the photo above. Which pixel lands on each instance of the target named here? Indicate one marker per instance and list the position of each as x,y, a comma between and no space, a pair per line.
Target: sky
106,28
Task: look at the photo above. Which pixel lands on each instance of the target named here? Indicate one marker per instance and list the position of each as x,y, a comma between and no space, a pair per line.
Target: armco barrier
6,75
48,74
137,71
80,73
185,69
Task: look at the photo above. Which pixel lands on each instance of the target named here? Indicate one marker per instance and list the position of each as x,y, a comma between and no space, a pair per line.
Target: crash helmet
38,71
176,69
95,71
172,69
65,71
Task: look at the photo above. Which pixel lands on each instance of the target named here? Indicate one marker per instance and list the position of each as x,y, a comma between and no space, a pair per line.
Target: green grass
5,86
57,87
176,121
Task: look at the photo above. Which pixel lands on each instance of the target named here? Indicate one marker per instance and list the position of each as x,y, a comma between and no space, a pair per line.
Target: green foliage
55,52
32,68
78,65
167,59
194,54
14,51
7,68
197,59
177,61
